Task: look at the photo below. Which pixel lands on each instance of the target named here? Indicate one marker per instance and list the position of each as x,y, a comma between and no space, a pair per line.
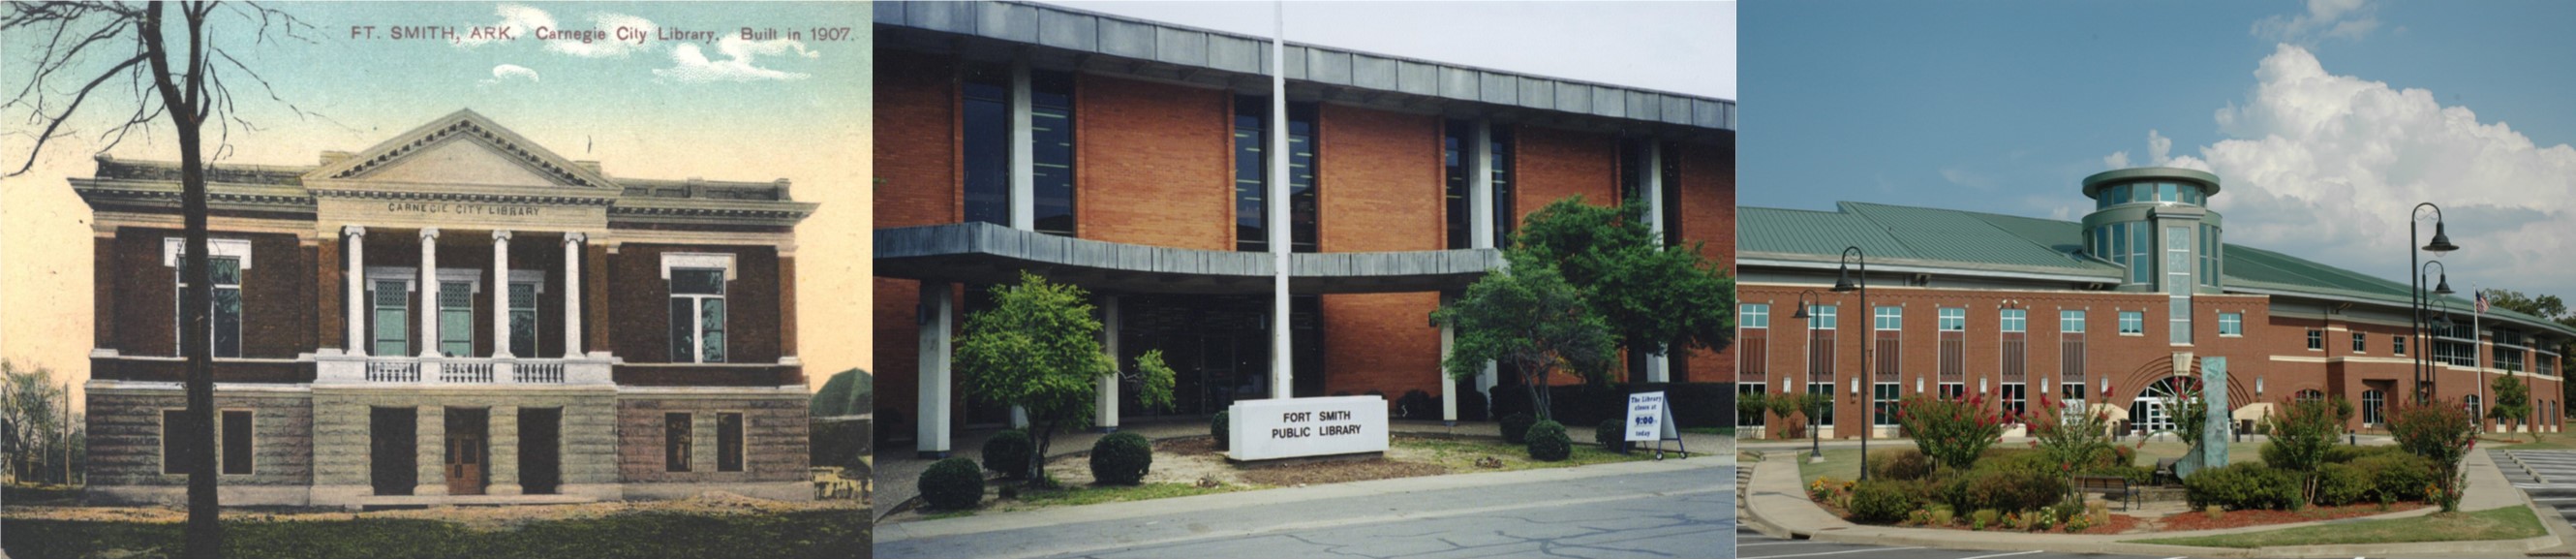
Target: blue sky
2326,120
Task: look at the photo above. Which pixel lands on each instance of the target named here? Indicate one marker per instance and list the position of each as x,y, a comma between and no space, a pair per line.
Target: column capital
500,235
429,233
571,237
353,230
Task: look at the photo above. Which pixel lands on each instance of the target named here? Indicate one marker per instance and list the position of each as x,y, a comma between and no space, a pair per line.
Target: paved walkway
1672,509
898,468
1777,505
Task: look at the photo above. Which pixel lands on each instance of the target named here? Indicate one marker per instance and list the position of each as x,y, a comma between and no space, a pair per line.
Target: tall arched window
2151,411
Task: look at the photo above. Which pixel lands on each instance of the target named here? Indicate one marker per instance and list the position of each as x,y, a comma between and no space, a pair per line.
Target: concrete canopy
982,253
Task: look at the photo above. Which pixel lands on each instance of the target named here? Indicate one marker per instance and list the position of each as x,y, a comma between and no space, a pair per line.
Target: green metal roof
846,394
1982,241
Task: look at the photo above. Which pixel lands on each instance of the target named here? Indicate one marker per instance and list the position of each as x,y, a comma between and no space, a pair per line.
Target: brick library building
1132,158
453,316
2138,302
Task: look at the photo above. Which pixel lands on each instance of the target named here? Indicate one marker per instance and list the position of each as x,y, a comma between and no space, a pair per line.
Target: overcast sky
1680,47
2325,120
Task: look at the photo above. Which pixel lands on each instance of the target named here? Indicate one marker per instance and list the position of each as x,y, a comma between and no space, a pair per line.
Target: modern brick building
1128,157
455,315
2023,307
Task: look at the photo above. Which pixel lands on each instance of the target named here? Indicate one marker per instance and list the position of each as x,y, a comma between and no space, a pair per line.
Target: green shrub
2396,476
1612,434
1548,442
1008,453
1885,500
2340,484
1951,431
1217,427
2138,475
2242,486
2008,489
1900,464
1942,515
952,484
1121,458
1516,427
1984,518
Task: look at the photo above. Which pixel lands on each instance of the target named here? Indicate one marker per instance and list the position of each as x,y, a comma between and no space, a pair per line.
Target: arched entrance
2151,411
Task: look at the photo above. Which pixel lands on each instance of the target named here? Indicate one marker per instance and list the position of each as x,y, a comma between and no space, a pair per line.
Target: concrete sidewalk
898,468
1776,504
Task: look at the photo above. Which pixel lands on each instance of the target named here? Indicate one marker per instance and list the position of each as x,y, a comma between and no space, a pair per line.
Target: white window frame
1952,319
689,456
2231,325
179,297
163,420
2316,340
1888,318
2360,342
2014,320
722,262
1756,316
742,445
2133,323
2066,317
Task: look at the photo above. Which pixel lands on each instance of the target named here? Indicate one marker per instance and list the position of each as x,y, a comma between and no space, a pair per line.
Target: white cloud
2117,160
607,46
2325,19
692,65
2158,148
506,72
2327,167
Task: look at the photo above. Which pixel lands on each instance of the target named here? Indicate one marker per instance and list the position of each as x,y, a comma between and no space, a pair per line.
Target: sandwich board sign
1649,420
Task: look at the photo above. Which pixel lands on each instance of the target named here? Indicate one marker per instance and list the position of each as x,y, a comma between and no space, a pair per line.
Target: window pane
224,270
1453,156
1301,177
729,442
237,434
1051,150
697,281
684,339
174,448
1251,166
986,143
675,442
228,322
711,321
1504,218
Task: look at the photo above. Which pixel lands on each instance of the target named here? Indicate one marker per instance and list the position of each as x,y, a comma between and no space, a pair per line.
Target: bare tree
187,88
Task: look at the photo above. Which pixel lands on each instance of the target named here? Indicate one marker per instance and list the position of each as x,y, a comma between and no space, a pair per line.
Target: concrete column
428,338
1448,385
572,293
933,317
430,438
501,294
354,241
1480,209
1024,205
503,453
1106,419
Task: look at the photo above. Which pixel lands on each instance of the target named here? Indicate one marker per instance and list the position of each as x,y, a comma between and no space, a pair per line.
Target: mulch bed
2120,523
2196,521
1187,446
1338,471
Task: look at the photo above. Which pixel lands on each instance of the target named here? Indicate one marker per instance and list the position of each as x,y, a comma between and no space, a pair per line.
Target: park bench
2107,486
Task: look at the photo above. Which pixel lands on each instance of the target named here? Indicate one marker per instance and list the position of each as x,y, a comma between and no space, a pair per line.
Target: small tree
2303,431
2442,432
31,419
1038,347
1653,298
2512,401
2074,440
1530,318
1787,405
1951,431
1749,408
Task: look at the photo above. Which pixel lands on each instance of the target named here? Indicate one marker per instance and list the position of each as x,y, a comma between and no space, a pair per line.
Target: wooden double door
468,450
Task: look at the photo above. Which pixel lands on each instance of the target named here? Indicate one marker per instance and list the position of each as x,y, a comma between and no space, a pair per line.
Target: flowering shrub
1952,432
2072,445
2442,432
2303,438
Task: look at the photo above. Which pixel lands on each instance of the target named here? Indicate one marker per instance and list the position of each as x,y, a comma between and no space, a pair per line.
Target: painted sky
1680,47
721,107
2326,120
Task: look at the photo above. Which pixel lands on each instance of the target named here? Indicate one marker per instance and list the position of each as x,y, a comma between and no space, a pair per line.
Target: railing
471,371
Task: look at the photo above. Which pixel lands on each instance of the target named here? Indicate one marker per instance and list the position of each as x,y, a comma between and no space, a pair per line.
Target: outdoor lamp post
2440,323
1815,439
1868,369
2441,244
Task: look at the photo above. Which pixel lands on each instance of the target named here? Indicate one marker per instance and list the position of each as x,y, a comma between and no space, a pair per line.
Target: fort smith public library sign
1309,427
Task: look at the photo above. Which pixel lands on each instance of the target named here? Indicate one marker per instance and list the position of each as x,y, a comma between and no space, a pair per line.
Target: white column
572,293
1107,411
1480,210
501,294
932,420
428,297
354,247
1282,350
1024,206
1448,384
1658,365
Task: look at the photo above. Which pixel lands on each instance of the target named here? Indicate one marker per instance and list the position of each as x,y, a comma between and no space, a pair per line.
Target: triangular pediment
462,148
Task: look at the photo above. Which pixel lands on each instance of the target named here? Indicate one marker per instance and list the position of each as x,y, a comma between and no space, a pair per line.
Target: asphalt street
1750,544
1687,513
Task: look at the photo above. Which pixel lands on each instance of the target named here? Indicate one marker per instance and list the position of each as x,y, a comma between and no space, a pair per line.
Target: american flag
2482,302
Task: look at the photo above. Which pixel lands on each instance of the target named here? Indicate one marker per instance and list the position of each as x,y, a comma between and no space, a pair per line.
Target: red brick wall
917,150
1153,164
1382,187
1554,164
276,295
1707,192
639,321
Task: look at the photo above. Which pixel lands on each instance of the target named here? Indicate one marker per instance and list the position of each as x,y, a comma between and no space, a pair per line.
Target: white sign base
1288,428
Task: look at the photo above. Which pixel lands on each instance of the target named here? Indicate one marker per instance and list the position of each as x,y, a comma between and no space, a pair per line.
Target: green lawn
803,534
1460,455
1710,431
2496,524
2528,441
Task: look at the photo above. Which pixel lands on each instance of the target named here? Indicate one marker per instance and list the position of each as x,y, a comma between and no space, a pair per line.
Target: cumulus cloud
2326,166
507,72
2117,160
691,65
2325,19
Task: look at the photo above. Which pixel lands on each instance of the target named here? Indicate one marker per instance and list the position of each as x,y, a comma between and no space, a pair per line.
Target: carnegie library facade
455,315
